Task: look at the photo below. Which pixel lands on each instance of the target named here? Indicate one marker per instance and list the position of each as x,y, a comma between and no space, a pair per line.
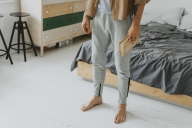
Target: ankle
122,105
97,97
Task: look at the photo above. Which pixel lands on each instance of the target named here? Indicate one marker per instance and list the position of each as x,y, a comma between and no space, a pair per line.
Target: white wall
160,4
6,22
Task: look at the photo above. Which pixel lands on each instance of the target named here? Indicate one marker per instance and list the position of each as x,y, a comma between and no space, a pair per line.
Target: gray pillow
189,30
163,16
166,26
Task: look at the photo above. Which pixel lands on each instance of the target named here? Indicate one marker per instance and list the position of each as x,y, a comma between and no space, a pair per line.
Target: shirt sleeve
86,7
141,2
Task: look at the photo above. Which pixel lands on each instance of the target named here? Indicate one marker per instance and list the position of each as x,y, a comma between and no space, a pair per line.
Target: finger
128,34
88,30
85,29
84,26
88,27
133,39
131,36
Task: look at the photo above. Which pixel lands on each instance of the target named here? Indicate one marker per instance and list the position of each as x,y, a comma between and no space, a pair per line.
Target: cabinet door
55,22
79,6
61,21
76,30
76,17
52,35
63,33
48,2
57,9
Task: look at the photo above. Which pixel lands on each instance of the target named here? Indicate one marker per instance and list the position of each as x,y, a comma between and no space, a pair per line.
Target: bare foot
96,100
121,114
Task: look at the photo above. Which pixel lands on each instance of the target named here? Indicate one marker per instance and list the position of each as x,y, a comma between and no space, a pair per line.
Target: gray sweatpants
106,31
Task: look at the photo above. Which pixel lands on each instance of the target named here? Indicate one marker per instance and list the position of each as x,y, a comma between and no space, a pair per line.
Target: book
125,45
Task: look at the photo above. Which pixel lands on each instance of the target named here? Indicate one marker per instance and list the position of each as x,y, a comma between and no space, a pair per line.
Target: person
113,20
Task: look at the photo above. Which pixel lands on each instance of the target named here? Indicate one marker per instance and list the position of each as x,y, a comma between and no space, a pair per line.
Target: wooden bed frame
85,71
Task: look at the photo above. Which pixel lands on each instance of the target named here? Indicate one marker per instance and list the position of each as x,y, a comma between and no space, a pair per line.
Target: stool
21,26
6,50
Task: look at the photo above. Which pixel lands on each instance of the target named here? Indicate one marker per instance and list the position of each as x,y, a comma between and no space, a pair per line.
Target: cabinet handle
70,30
70,19
47,11
75,18
46,24
75,29
75,6
71,7
46,36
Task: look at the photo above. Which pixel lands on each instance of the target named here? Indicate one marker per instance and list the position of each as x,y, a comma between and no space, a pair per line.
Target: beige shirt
120,8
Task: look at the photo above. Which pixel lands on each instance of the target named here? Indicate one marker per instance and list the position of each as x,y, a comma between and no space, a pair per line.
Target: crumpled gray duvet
162,59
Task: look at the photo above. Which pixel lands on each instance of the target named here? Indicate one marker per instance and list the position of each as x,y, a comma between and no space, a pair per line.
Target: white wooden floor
43,93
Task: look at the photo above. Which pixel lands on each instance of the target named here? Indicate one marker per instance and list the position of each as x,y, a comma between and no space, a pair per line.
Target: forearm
138,15
85,13
134,31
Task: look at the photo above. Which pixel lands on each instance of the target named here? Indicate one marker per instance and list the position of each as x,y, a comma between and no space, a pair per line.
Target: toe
83,107
119,120
115,119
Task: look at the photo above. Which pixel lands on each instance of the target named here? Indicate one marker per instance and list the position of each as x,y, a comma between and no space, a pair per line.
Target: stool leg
13,31
23,40
30,38
19,33
6,47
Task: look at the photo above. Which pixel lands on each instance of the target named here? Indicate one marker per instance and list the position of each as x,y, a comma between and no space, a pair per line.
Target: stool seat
20,14
1,15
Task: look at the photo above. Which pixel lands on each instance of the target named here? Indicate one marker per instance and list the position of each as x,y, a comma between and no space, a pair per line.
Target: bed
161,65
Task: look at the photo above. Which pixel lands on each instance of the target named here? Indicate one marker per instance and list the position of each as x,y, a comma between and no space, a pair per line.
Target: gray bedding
162,59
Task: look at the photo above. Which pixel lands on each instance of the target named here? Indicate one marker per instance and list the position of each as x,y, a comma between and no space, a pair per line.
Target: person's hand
134,32
86,25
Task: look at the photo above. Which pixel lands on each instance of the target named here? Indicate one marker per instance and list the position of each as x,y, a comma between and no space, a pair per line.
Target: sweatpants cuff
97,94
122,101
